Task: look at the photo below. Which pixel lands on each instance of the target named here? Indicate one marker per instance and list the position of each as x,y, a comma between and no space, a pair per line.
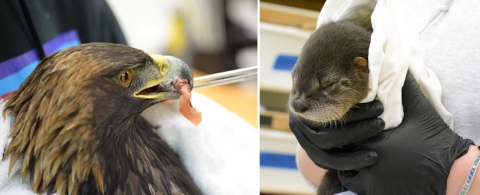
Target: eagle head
76,100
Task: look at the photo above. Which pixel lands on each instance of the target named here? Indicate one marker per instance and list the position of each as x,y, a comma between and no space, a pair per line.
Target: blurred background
210,35
283,30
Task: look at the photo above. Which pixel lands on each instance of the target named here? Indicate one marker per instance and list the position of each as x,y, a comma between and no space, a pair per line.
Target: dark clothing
56,24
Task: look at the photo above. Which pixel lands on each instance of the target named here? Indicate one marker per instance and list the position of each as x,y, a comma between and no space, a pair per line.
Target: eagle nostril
298,106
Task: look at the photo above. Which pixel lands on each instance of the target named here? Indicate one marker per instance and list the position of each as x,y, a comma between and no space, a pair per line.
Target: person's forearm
310,171
459,172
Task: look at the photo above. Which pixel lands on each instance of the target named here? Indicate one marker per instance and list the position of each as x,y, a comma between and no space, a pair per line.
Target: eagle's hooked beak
171,70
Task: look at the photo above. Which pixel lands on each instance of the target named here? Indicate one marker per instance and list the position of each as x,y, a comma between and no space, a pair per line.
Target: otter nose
298,106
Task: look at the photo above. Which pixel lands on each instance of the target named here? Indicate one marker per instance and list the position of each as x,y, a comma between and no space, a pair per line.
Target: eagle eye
126,77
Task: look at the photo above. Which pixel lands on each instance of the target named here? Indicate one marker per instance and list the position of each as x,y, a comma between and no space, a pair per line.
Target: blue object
285,62
15,70
277,160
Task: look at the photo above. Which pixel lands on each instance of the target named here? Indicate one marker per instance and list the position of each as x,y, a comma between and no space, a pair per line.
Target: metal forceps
227,77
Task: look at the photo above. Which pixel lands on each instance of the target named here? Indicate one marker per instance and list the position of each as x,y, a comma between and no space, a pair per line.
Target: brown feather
52,126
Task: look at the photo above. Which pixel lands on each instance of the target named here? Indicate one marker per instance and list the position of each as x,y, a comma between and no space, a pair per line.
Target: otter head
331,74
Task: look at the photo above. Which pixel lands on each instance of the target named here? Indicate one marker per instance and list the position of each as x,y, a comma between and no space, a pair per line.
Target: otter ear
360,65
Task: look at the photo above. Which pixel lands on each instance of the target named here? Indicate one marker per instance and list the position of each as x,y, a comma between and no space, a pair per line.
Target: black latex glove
361,123
413,158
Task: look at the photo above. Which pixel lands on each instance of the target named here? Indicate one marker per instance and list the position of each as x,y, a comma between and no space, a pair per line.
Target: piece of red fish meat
186,108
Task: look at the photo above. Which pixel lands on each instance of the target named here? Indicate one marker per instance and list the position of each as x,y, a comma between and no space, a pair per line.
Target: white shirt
449,35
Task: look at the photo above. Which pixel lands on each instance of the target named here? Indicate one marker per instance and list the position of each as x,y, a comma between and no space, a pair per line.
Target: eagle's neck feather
143,163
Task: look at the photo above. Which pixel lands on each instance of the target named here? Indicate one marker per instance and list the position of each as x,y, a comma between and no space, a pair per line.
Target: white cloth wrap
392,52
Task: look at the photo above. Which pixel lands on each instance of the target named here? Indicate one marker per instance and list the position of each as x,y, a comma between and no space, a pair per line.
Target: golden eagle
78,128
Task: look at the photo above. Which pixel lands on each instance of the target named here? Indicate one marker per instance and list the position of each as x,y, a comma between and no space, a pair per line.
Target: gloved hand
413,158
361,123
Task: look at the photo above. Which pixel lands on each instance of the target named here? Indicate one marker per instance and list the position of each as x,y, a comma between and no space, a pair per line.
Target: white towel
221,153
392,52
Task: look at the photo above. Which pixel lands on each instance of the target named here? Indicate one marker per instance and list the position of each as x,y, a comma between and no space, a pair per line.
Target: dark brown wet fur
331,76
79,131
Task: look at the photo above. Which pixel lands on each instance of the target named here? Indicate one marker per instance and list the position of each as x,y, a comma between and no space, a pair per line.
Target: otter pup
329,78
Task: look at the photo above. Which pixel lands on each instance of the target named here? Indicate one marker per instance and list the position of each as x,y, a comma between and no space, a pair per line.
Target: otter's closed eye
345,82
325,84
